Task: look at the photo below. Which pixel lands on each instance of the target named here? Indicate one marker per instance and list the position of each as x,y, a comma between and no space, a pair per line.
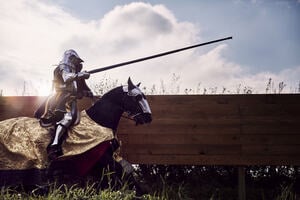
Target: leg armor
54,149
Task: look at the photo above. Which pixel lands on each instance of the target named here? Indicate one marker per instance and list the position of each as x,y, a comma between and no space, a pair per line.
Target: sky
265,45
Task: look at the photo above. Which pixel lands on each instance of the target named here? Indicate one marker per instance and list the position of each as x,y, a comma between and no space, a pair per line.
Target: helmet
69,53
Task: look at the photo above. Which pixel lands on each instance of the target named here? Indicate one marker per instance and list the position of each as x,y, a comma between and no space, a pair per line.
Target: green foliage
287,193
220,182
103,85
63,192
177,183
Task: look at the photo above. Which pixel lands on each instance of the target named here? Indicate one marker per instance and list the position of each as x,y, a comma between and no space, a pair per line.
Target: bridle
128,116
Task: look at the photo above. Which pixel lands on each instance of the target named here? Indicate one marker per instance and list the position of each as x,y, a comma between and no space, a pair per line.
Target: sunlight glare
44,89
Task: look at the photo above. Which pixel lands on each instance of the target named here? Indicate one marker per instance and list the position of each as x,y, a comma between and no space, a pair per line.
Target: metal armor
61,108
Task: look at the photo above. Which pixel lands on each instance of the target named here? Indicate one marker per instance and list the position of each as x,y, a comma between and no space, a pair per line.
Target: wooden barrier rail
217,130
203,129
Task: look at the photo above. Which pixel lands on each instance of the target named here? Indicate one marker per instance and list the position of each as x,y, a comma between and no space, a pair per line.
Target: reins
123,108
126,117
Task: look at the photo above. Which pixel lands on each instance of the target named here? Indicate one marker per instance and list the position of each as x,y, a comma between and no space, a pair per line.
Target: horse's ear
131,86
138,85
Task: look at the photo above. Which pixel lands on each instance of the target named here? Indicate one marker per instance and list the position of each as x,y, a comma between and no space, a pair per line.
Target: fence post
241,183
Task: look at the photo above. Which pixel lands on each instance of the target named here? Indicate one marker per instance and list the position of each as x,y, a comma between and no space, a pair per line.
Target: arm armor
67,74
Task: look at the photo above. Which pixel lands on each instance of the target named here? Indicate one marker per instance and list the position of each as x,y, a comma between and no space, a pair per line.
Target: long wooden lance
154,56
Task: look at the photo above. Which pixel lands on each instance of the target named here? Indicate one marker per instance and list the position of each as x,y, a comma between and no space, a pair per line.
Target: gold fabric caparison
23,141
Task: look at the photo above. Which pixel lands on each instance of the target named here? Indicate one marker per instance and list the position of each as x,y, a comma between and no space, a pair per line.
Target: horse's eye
139,97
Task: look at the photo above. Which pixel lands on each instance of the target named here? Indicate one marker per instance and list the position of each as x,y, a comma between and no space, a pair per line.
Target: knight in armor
60,110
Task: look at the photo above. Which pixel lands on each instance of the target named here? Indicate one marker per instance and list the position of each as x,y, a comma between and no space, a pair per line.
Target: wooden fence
203,129
217,130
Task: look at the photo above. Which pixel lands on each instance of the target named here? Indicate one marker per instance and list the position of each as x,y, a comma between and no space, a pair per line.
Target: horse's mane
113,93
106,110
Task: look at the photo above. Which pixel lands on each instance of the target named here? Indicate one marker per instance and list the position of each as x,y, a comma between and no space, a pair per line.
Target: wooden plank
179,139
17,106
268,139
225,99
213,159
211,149
270,129
269,120
190,111
270,125
288,110
181,127
255,126
209,139
246,109
182,149
269,149
177,130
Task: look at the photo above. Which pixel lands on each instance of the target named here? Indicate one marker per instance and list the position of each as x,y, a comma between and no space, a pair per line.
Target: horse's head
136,104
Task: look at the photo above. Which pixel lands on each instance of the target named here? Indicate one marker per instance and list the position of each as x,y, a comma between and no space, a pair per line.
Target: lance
154,56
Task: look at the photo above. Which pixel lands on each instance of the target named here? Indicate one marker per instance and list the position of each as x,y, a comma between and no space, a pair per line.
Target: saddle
49,117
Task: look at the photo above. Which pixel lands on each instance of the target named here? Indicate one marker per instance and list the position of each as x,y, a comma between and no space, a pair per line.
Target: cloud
34,36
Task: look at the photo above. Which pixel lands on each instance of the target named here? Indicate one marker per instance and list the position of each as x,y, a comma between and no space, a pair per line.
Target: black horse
106,112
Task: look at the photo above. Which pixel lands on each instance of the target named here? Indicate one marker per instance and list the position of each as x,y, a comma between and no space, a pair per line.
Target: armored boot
54,150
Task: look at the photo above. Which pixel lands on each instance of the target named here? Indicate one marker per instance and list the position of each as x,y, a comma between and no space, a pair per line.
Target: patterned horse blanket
23,141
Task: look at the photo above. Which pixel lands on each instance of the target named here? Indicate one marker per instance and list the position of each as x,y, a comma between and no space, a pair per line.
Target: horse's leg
128,170
108,172
124,174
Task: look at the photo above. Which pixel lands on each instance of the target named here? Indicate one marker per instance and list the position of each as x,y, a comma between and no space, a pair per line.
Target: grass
86,190
63,192
89,192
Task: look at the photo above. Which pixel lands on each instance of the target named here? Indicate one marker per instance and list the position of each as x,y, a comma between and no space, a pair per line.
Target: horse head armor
136,104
